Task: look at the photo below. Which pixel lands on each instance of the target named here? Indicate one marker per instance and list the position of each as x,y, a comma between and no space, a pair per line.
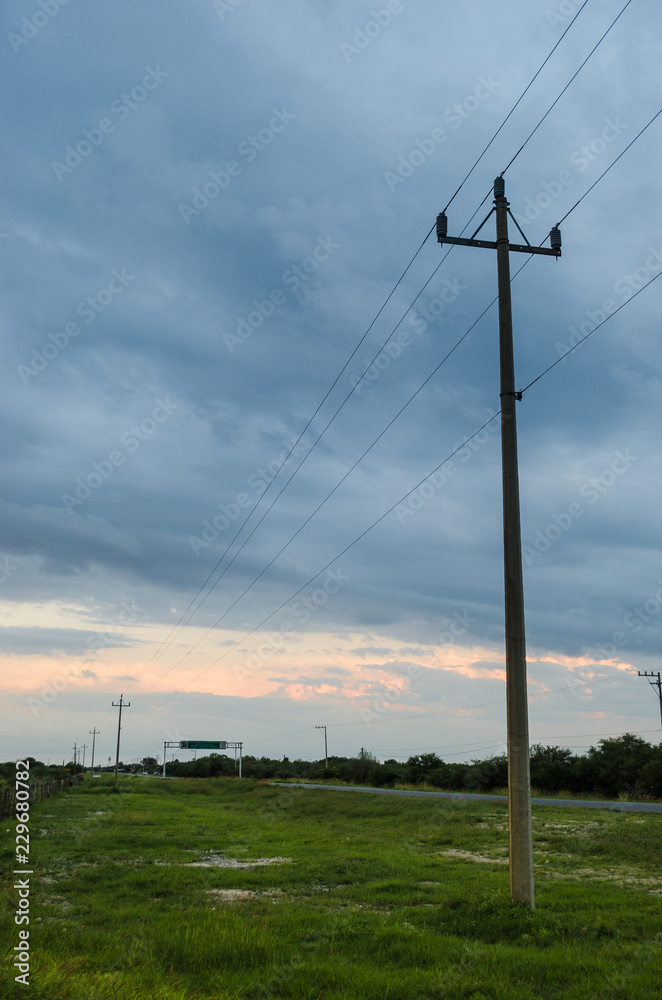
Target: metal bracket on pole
654,684
519,780
490,245
442,223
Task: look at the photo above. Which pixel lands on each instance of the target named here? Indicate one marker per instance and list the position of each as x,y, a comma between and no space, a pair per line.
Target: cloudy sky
204,208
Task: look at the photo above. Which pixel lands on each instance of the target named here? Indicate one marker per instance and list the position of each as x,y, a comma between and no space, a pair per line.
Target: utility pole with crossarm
654,684
519,777
326,752
119,704
94,733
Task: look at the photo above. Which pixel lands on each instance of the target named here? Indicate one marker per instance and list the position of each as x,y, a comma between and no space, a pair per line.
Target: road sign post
201,745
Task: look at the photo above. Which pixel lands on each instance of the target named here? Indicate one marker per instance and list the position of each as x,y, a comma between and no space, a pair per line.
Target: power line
168,642
515,105
330,494
609,167
339,555
395,418
605,320
257,627
381,518
445,712
172,634
447,356
399,752
553,105
578,202
479,746
174,631
244,542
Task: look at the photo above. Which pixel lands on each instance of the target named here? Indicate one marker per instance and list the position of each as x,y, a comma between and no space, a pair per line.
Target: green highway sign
203,745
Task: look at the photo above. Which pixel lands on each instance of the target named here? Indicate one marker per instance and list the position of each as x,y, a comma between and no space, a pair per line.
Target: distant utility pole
326,753
94,733
75,757
119,704
84,749
519,778
654,684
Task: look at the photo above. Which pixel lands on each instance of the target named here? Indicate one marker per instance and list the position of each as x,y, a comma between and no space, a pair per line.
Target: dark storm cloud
203,209
23,641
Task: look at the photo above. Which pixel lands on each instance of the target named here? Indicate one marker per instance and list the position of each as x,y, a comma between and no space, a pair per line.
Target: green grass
372,905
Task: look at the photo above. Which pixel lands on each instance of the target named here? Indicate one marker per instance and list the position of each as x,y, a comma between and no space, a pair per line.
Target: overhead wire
171,634
487,744
244,542
446,357
554,103
446,712
580,342
339,555
514,107
613,163
408,402
550,108
604,173
386,513
330,494
367,368
174,631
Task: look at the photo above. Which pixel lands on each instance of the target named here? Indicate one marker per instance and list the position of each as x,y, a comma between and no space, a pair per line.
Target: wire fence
38,790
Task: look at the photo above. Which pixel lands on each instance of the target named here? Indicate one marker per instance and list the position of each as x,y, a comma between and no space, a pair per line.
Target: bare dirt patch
218,861
624,876
470,856
238,895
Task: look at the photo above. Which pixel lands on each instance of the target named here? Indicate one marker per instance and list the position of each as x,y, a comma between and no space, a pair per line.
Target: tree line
626,765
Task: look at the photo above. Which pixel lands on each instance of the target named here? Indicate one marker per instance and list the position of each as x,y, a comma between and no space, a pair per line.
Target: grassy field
175,890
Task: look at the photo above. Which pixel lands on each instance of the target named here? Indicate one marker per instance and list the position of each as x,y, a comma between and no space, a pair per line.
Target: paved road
472,797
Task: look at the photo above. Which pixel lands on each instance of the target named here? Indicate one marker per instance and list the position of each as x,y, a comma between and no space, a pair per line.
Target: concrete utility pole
75,757
83,761
519,779
93,733
654,684
326,752
119,704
